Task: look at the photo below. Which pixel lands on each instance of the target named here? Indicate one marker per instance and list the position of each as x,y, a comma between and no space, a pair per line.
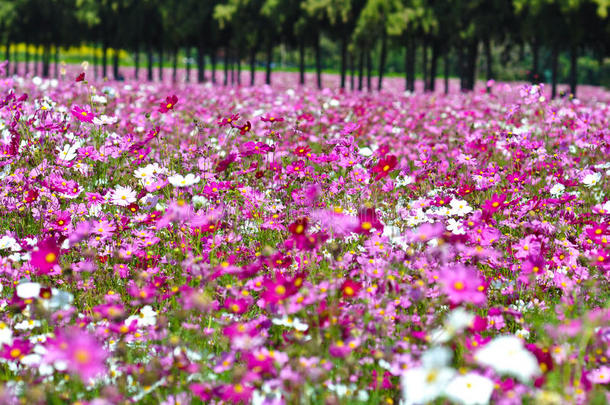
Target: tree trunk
535,75
361,70
136,59
115,64
104,60
96,73
27,60
352,66
269,57
489,62
472,64
302,62
225,67
36,58
175,65
446,67
213,61
161,65
554,60
16,64
410,65
369,71
7,56
232,67
252,65
188,64
343,59
46,59
56,67
238,63
433,66
468,66
424,60
573,72
382,57
200,65
149,55
461,67
318,57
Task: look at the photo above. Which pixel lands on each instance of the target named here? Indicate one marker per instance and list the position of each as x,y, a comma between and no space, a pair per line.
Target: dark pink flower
82,114
16,351
46,256
168,104
384,167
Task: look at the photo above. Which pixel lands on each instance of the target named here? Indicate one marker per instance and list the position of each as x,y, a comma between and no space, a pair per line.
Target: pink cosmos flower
82,114
384,167
82,353
237,393
46,256
170,102
463,284
600,375
494,204
16,351
528,246
368,220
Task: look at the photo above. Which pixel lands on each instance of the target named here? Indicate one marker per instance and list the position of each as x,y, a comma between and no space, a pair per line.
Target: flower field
184,244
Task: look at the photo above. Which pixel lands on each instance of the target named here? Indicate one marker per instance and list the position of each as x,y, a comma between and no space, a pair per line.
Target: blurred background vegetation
537,40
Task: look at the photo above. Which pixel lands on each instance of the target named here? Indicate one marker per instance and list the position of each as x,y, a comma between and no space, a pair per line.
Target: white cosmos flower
459,319
68,152
507,355
459,207
557,189
104,120
455,227
404,180
146,317
8,242
366,151
426,383
99,99
470,389
27,324
591,179
177,180
291,323
6,334
123,196
28,290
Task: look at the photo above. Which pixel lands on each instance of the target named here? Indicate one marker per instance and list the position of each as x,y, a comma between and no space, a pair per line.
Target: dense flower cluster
269,245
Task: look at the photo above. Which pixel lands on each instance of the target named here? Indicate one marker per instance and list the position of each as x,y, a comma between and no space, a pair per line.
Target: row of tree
451,31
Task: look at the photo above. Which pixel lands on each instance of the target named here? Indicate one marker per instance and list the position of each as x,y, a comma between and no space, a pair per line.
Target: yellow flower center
50,257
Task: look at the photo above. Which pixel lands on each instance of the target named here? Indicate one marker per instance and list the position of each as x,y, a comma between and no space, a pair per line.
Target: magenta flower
82,353
463,284
168,104
46,256
368,220
528,246
494,204
237,393
384,167
82,114
16,351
